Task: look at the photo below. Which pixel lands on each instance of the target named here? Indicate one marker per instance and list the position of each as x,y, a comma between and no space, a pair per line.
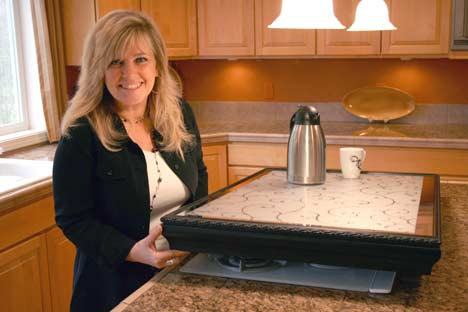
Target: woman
130,151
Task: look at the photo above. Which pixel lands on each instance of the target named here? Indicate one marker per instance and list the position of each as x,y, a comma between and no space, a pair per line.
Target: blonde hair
109,38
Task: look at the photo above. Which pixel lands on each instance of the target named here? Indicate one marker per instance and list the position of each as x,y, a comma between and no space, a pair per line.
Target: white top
170,194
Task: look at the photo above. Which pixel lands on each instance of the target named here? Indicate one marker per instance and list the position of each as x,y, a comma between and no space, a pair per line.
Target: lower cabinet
236,173
36,260
450,164
24,277
61,256
215,158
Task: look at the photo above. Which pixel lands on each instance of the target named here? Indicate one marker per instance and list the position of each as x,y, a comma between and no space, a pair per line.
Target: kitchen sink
18,173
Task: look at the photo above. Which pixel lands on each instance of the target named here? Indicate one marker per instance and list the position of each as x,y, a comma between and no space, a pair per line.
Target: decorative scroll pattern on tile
375,201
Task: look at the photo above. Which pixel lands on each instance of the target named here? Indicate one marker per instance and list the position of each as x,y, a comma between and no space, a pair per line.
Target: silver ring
170,262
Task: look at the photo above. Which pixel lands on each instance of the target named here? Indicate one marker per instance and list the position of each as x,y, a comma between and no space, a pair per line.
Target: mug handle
363,155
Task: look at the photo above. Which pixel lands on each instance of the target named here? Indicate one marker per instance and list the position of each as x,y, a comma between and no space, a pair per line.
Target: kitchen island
446,289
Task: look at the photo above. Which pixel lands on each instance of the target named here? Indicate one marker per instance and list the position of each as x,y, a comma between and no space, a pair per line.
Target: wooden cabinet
458,54
229,28
24,280
279,41
239,28
341,42
423,27
177,21
77,19
105,6
226,27
225,30
215,158
236,173
61,256
450,163
36,260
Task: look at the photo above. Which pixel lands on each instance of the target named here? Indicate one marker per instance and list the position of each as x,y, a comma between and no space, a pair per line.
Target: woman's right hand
144,251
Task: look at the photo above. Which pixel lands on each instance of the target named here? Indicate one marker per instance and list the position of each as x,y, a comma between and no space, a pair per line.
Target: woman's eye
115,63
141,59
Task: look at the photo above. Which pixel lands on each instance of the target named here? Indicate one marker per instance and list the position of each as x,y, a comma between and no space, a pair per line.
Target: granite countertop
444,290
337,133
379,134
435,136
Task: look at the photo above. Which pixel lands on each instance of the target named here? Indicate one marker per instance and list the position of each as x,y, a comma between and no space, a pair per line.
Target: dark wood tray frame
408,254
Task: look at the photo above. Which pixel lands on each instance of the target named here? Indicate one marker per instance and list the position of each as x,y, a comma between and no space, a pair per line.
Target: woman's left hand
144,251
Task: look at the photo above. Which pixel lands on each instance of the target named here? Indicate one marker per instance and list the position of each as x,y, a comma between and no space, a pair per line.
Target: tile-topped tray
382,221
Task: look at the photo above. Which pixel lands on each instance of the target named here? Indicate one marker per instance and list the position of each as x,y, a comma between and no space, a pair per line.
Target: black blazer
102,206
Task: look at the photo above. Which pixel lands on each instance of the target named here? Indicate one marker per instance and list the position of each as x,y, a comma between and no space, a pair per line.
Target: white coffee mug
351,159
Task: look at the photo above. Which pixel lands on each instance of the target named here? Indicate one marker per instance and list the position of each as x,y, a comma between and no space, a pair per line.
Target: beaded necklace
136,121
158,181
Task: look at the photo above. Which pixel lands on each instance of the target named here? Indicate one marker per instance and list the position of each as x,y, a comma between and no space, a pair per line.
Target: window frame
17,59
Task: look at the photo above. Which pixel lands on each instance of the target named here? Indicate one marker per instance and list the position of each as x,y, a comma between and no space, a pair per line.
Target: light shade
371,15
307,14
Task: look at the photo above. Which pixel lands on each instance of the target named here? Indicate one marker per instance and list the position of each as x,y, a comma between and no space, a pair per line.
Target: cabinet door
77,18
238,173
423,27
24,281
226,27
61,255
279,41
177,21
342,42
105,6
215,160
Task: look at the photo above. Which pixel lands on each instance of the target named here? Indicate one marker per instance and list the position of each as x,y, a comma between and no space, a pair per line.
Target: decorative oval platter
378,103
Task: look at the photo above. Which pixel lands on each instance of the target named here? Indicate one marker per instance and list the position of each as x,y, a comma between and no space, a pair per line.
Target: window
20,96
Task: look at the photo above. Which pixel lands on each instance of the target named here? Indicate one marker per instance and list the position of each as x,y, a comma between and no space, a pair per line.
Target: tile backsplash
225,111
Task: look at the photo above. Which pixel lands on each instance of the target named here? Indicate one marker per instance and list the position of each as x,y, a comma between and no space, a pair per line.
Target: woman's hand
144,251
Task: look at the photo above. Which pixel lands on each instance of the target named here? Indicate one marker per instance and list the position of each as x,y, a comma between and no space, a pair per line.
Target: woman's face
131,79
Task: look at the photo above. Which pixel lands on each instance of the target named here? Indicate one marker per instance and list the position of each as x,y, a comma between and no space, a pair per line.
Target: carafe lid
306,115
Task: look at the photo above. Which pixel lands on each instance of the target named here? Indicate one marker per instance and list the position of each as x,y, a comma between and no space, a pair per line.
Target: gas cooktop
294,273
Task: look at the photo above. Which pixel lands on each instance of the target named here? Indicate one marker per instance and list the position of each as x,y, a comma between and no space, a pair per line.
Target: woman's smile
132,86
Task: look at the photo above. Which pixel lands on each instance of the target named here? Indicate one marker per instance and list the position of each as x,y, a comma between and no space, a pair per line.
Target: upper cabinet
77,19
342,42
177,21
226,27
279,41
423,27
105,6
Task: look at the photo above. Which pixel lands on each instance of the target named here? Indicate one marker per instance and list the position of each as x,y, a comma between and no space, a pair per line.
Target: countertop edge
337,140
26,195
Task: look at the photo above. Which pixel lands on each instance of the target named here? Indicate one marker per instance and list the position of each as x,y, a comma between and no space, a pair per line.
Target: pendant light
371,15
307,14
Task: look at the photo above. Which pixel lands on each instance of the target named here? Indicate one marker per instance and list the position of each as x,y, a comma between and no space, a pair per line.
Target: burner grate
241,264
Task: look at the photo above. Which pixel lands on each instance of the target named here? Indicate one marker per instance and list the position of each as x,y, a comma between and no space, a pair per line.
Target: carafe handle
291,122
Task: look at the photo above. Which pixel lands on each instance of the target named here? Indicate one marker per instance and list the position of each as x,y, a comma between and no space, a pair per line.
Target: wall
322,80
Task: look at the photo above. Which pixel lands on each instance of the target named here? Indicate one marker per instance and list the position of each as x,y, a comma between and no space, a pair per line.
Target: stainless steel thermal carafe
306,148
